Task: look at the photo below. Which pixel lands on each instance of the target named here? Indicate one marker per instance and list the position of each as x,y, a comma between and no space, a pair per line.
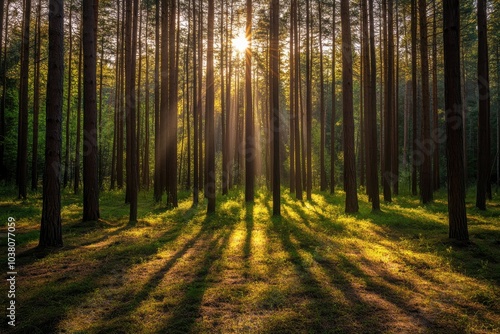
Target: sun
240,43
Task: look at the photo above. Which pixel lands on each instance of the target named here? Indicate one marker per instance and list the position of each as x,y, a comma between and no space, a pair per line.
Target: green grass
313,270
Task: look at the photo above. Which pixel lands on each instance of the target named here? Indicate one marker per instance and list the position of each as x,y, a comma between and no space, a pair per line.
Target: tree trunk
51,226
322,103
195,110
308,102
372,118
210,140
158,123
297,106
435,111
333,120
351,204
22,147
130,104
414,96
36,100
387,175
3,168
90,180
76,183
274,77
483,158
454,126
250,151
427,146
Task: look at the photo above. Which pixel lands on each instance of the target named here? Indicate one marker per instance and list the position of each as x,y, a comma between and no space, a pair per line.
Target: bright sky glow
240,43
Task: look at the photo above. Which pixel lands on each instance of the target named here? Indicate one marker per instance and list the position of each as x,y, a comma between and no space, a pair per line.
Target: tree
78,144
130,105
36,98
210,189
454,126
297,123
51,226
483,159
90,179
426,141
351,204
369,89
388,99
414,96
158,137
322,102
274,77
171,177
195,111
250,153
435,111
22,142
3,169
308,102
334,100
68,108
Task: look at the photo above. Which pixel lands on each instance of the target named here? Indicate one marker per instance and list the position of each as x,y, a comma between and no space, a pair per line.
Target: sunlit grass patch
313,270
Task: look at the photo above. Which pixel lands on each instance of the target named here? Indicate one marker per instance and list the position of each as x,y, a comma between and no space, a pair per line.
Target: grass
313,270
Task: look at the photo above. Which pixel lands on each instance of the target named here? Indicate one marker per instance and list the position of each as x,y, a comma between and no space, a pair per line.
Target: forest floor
314,270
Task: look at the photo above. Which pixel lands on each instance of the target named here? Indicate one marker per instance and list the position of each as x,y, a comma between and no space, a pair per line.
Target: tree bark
90,179
250,150
210,140
36,100
274,77
22,147
454,126
483,159
351,204
51,226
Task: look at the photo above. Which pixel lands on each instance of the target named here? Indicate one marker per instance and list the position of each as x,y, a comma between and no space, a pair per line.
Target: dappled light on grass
315,269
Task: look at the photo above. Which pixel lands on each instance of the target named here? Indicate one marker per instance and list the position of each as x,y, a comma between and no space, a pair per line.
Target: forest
250,166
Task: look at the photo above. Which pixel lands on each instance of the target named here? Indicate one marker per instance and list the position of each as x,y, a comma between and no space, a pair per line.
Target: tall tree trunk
138,108
425,152
454,126
322,103
117,99
145,160
333,120
274,78
158,123
292,101
250,150
78,144
68,110
22,147
395,117
172,109
483,158
130,104
195,109
51,226
90,181
100,162
297,106
210,140
36,100
435,116
372,118
121,115
351,204
3,168
414,96
387,175
308,102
